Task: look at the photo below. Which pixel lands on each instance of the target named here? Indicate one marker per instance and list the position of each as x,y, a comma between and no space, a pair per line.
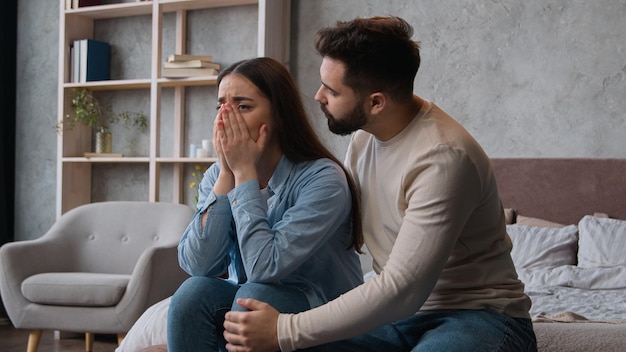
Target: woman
277,217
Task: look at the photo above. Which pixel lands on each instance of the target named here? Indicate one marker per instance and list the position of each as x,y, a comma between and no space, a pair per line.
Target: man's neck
394,119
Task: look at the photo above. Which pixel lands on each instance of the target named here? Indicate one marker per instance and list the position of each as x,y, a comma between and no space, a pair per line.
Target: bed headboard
562,190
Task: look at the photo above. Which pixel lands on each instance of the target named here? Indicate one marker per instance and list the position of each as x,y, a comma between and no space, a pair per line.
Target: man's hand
253,331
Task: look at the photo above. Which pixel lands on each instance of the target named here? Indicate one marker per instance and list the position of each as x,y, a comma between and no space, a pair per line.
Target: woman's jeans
449,331
195,320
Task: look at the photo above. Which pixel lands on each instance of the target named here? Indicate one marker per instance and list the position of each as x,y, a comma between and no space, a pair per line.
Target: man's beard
353,121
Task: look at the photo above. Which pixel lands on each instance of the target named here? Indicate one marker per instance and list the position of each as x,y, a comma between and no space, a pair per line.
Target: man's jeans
449,331
195,320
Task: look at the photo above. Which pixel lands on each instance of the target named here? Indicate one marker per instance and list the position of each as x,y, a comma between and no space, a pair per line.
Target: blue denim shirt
296,235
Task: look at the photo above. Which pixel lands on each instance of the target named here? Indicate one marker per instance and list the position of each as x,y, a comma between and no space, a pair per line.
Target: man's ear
377,102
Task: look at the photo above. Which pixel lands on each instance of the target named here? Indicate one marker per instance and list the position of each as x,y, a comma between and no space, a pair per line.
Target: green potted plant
89,111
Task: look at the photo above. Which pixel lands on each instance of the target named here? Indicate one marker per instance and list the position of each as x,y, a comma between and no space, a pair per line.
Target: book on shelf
191,64
70,71
187,57
90,60
189,72
74,60
82,3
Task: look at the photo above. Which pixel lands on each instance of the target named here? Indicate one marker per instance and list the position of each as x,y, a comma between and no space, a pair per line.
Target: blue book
94,60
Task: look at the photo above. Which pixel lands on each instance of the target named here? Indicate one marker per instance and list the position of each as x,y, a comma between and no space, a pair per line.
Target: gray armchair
97,269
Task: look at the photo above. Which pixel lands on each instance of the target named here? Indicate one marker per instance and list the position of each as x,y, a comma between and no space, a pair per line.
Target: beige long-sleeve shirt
434,225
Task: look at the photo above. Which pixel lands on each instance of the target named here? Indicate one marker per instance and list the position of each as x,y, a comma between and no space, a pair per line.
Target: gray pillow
543,247
602,242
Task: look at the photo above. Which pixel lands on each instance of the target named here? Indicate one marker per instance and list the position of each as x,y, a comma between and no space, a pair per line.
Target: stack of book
75,4
183,65
90,61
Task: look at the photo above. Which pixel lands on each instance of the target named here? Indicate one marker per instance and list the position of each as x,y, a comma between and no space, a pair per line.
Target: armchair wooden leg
88,342
120,337
33,340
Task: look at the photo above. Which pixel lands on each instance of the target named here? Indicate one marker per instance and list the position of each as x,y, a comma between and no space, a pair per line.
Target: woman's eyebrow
235,98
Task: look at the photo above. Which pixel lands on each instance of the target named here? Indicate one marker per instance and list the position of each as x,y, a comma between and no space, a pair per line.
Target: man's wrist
283,332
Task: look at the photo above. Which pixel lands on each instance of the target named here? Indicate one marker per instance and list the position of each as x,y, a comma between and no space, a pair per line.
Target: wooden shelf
128,9
144,83
187,160
112,84
176,5
74,171
81,159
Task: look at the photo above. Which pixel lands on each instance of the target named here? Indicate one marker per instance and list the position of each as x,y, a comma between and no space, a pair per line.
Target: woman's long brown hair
297,138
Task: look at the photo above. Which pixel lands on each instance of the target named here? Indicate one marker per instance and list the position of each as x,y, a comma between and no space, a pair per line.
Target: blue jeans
449,331
195,320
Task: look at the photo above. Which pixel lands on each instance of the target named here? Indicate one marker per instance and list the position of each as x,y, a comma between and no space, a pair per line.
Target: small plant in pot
89,111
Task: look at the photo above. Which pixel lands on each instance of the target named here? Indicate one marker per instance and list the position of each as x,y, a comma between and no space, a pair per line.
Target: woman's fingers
226,112
235,125
239,149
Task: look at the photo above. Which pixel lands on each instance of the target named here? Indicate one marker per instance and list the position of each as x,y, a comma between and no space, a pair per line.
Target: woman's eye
243,107
218,107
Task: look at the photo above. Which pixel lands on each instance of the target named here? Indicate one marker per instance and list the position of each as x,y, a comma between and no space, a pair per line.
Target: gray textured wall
539,78
535,78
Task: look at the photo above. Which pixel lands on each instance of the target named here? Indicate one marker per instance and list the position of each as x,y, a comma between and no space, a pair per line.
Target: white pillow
543,247
149,330
602,242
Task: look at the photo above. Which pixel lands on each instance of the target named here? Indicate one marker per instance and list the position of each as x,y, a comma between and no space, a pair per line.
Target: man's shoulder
361,137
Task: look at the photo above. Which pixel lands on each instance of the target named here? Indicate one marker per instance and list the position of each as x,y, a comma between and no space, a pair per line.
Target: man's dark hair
378,53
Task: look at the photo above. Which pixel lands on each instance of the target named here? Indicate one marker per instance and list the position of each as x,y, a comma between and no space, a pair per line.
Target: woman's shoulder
318,165
319,170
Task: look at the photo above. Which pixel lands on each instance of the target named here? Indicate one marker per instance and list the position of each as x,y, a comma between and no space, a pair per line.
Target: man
432,218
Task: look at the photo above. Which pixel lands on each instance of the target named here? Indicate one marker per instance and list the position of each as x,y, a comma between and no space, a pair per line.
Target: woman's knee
283,298
191,288
259,291
197,291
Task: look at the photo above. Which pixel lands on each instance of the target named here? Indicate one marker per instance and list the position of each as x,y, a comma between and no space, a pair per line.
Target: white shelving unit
74,172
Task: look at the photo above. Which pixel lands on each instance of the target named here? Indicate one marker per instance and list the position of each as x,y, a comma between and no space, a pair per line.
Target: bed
567,221
569,239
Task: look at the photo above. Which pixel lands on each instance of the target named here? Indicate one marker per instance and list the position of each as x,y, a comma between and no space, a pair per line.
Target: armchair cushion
75,289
